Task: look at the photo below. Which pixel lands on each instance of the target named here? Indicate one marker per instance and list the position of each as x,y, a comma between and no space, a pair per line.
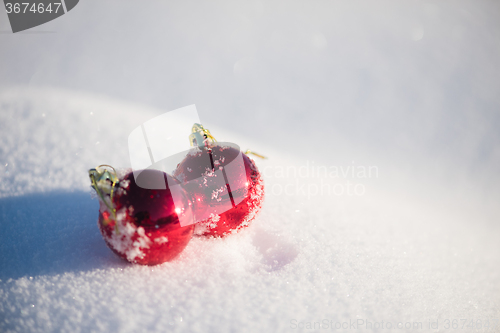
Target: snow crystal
161,240
216,192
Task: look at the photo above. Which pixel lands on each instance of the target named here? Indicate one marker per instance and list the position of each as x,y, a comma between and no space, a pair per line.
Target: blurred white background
411,87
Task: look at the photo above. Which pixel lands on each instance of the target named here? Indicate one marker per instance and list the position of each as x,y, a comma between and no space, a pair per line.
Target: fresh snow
377,256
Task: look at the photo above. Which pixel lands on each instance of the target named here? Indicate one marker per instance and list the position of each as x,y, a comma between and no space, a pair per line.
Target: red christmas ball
225,186
143,225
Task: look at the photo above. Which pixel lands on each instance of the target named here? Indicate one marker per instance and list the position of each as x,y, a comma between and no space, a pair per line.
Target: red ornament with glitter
144,224
225,186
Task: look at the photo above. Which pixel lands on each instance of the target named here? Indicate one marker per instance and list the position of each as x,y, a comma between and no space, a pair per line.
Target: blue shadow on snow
51,233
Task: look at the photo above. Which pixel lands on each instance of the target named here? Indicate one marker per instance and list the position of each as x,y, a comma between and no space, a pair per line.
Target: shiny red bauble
146,226
225,186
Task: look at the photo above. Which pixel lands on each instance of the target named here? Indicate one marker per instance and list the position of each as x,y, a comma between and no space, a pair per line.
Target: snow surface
410,89
307,257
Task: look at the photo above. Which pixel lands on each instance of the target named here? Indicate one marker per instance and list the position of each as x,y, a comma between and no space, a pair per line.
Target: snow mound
307,258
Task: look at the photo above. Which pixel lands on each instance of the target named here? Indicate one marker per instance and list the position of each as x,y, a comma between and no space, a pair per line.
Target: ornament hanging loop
248,151
103,181
198,136
201,137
